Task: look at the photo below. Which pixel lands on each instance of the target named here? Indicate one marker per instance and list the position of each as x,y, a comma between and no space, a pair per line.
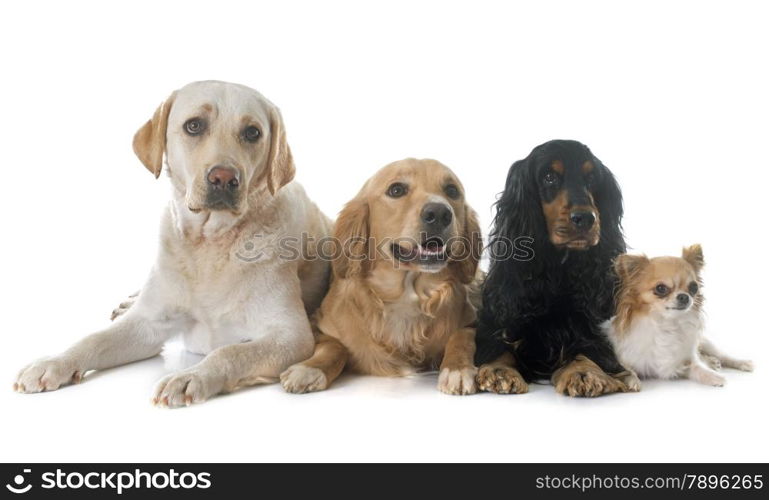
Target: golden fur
391,318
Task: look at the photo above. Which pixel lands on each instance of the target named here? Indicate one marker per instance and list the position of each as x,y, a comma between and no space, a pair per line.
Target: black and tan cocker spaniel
542,308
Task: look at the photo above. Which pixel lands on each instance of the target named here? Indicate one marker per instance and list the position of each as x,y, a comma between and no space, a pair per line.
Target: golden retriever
399,299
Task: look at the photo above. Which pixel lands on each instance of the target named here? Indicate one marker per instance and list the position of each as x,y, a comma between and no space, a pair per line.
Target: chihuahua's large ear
466,260
627,266
150,140
693,255
351,232
280,163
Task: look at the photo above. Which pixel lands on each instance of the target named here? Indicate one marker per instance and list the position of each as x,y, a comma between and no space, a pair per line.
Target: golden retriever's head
224,144
411,215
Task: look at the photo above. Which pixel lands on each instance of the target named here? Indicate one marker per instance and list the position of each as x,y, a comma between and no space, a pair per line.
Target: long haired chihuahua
658,328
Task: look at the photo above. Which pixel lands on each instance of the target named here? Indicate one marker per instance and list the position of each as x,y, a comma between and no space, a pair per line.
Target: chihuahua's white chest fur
658,347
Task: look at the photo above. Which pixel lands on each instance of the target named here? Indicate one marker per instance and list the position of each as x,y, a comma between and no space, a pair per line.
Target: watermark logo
18,485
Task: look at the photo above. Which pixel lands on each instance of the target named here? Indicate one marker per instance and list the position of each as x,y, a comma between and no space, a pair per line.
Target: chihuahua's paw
458,381
185,388
501,380
299,379
631,381
746,366
47,375
712,361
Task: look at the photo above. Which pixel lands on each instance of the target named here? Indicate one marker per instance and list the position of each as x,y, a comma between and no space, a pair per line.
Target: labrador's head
224,145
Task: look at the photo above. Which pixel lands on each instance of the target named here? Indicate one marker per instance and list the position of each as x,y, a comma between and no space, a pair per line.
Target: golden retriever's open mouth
431,254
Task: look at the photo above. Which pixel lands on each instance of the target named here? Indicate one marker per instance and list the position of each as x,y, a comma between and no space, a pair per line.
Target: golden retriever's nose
436,215
223,178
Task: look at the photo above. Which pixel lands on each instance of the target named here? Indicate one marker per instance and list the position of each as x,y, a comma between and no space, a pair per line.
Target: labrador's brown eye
397,189
451,191
251,133
194,126
661,290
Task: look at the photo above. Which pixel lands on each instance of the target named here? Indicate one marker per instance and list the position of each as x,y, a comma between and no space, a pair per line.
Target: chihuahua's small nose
223,178
436,215
682,299
582,220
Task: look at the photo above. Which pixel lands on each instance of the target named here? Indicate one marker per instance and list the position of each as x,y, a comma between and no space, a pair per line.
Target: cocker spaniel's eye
661,290
397,189
551,178
251,133
194,126
451,191
693,288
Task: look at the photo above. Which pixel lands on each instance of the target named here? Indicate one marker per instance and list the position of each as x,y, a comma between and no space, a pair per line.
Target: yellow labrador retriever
220,278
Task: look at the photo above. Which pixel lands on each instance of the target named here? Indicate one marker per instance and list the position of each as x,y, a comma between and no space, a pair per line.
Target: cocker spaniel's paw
186,387
299,379
583,378
501,380
47,375
458,381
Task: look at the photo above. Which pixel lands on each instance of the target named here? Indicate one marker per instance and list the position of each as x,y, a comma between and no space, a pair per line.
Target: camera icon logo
18,483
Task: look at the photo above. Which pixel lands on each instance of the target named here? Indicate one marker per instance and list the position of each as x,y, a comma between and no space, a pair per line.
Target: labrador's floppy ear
465,263
351,232
693,255
150,140
280,163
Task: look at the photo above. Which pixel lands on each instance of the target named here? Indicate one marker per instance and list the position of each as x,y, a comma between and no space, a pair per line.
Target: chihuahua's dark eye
251,133
693,288
550,178
452,191
194,126
661,290
397,189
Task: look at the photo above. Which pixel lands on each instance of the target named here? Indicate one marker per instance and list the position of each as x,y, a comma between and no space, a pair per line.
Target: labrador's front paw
458,381
47,375
186,387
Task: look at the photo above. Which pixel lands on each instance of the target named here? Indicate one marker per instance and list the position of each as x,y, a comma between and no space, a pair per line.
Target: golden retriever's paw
185,388
47,375
586,384
299,379
501,380
458,382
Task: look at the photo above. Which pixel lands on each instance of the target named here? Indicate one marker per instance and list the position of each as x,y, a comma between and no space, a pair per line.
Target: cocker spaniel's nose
582,220
226,178
436,215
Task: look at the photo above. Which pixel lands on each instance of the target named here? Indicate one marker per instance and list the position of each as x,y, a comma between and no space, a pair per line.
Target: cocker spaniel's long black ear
518,218
608,200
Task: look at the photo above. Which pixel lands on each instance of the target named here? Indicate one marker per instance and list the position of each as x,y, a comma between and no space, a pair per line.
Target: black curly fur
547,310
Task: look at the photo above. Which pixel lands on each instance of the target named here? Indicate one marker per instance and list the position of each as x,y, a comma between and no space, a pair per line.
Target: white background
671,96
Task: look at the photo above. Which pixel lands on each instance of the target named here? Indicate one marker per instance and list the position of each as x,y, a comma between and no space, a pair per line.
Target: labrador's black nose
223,178
582,220
436,215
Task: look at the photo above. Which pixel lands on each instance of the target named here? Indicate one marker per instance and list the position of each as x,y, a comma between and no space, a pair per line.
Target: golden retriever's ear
472,247
280,163
693,255
628,266
351,232
150,140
